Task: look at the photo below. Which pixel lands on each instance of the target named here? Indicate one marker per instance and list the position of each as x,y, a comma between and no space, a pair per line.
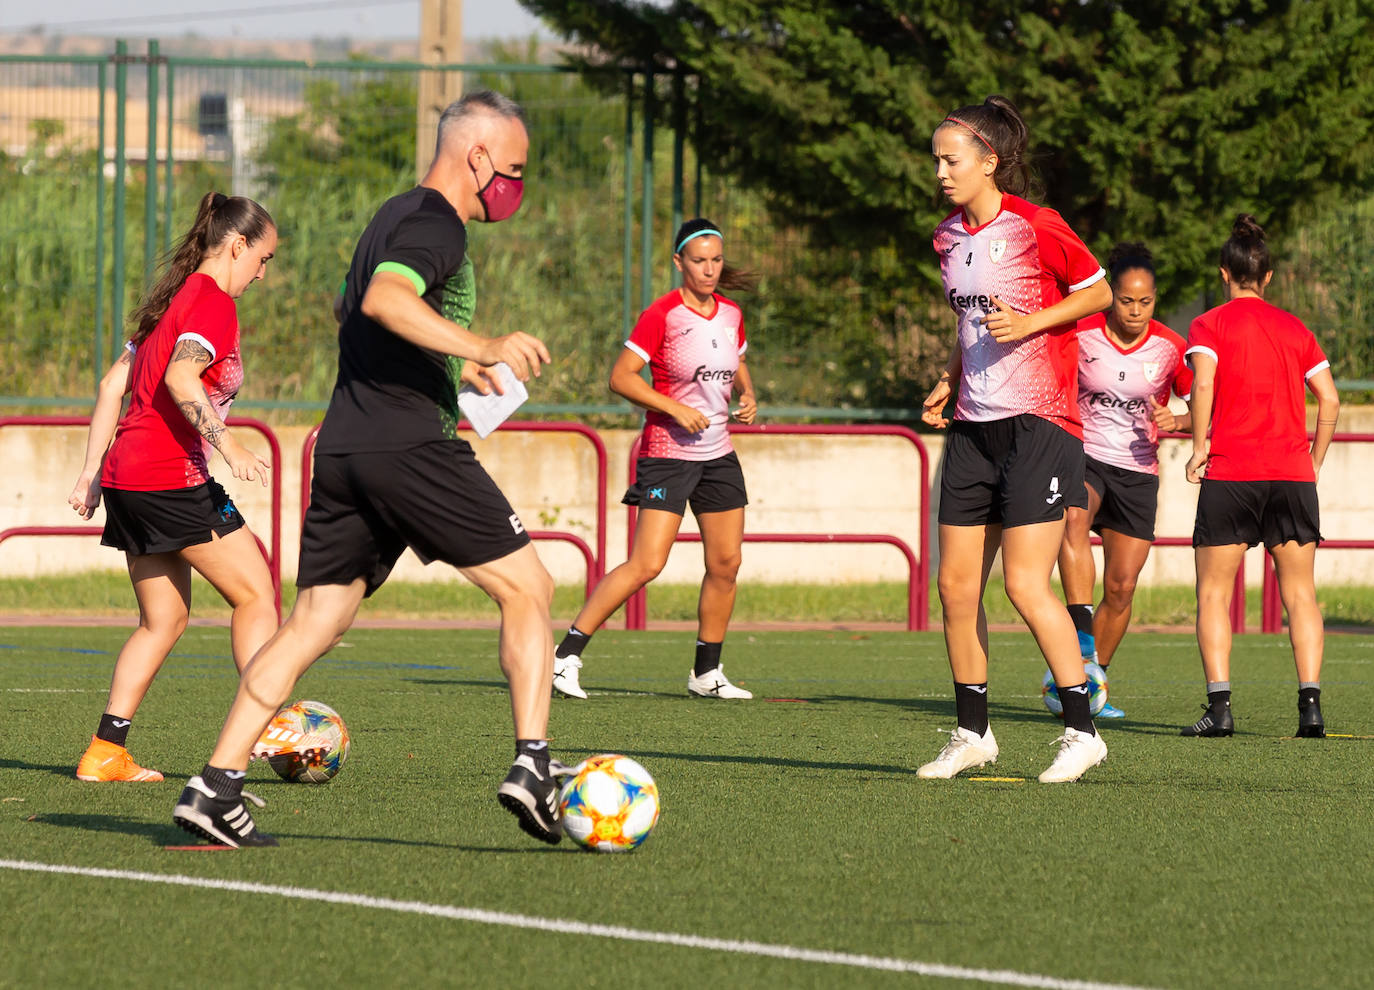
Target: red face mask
501,196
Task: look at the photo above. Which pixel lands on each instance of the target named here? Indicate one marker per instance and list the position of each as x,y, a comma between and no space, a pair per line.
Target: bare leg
1028,556
1077,569
162,585
722,539
1124,556
523,590
1216,579
235,567
654,535
966,556
320,618
1294,563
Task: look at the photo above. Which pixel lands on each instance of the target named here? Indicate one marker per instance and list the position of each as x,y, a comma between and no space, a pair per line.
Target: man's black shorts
161,522
669,482
1130,499
366,508
1010,472
1254,512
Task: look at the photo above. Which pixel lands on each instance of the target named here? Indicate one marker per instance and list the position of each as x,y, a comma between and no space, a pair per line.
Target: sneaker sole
941,776
526,818
198,824
1076,778
579,695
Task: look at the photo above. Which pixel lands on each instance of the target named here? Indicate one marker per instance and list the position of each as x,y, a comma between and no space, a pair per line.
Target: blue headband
708,232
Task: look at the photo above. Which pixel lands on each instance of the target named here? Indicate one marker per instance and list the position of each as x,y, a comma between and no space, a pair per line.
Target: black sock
1219,700
971,704
225,783
708,658
573,644
1077,708
113,729
537,750
1082,616
1309,696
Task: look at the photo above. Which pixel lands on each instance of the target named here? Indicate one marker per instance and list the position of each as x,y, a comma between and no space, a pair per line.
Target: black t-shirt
391,394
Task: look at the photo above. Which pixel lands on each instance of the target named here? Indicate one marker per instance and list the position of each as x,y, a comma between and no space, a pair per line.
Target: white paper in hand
487,412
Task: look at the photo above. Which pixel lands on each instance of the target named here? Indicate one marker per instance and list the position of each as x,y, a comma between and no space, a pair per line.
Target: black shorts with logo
1010,472
1130,499
366,508
162,522
669,482
1254,512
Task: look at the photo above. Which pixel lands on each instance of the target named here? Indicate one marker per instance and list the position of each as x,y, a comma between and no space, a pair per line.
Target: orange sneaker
104,761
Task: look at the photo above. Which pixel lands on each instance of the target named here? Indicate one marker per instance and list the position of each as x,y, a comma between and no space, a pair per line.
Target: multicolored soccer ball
1097,690
311,718
609,804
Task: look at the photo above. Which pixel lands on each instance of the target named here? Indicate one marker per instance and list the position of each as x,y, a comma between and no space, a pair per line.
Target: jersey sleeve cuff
410,274
189,335
1199,349
1097,276
638,350
743,347
1322,366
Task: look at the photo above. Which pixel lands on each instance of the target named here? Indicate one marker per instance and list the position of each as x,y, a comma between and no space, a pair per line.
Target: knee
165,625
533,590
958,598
1024,591
1118,591
724,567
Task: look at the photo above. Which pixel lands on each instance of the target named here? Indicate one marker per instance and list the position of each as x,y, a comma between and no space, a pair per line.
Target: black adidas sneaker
1310,722
1213,723
222,820
532,797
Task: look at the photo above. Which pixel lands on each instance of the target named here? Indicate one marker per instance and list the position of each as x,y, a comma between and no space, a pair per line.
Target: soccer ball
1097,690
609,804
312,718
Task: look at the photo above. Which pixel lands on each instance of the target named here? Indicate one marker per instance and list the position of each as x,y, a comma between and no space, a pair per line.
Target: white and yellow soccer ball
609,804
1097,690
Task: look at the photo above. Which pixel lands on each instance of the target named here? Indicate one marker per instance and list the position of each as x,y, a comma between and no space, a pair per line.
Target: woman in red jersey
1127,364
693,341
1018,279
1252,364
181,369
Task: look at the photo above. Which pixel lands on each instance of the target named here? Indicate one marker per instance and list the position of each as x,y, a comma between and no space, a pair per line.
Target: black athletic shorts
1254,512
1010,472
1129,499
669,482
161,522
366,508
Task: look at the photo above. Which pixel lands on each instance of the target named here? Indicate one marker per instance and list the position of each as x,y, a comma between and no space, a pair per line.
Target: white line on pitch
567,927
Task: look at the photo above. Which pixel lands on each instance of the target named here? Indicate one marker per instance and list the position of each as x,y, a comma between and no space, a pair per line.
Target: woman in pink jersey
693,341
181,369
1253,364
1018,279
1127,364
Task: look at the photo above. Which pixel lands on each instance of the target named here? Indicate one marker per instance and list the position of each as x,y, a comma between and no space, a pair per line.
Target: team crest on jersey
1151,369
996,249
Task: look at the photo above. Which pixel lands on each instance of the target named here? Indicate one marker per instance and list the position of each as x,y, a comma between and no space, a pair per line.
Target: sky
261,18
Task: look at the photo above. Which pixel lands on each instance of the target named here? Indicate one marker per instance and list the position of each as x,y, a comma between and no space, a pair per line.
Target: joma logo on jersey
703,374
970,302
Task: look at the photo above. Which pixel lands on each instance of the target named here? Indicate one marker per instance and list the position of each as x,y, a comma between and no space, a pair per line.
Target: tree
1150,119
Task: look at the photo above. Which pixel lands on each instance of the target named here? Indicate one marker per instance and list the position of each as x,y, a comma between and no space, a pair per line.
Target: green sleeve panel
408,273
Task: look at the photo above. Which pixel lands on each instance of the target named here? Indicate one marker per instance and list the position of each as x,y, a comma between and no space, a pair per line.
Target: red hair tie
972,129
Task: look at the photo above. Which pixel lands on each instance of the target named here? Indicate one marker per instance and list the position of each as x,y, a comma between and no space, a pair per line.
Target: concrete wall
811,484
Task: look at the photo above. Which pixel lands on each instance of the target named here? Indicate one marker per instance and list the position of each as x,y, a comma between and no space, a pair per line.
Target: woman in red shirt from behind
1252,364
181,370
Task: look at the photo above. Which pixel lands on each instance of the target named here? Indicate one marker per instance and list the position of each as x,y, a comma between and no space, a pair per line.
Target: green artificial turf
794,820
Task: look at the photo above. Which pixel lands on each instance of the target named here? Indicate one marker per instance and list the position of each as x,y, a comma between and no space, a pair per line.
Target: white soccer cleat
1078,753
714,684
565,677
965,749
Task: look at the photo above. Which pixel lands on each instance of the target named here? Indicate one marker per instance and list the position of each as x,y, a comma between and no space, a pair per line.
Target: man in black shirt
391,472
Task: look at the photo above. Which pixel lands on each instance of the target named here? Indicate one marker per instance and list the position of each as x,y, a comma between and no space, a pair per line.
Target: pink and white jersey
1114,389
1029,258
693,360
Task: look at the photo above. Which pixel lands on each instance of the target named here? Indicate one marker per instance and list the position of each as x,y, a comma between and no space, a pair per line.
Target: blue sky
262,18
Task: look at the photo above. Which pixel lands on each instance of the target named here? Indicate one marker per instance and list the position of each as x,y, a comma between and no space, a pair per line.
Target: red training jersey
693,360
1029,258
1115,385
1264,358
155,449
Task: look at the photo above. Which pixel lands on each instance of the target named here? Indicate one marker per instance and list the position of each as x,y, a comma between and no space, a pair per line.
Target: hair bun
1247,227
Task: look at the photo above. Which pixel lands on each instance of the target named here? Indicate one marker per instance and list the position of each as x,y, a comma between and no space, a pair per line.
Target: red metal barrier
273,556
595,561
918,576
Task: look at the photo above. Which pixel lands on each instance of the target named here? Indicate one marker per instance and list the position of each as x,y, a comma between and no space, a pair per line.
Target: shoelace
955,744
250,796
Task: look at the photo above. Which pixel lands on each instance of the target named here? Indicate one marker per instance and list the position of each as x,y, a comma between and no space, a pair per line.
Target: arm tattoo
189,350
203,418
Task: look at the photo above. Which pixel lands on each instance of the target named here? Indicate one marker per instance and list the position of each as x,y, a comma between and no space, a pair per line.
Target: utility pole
441,42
